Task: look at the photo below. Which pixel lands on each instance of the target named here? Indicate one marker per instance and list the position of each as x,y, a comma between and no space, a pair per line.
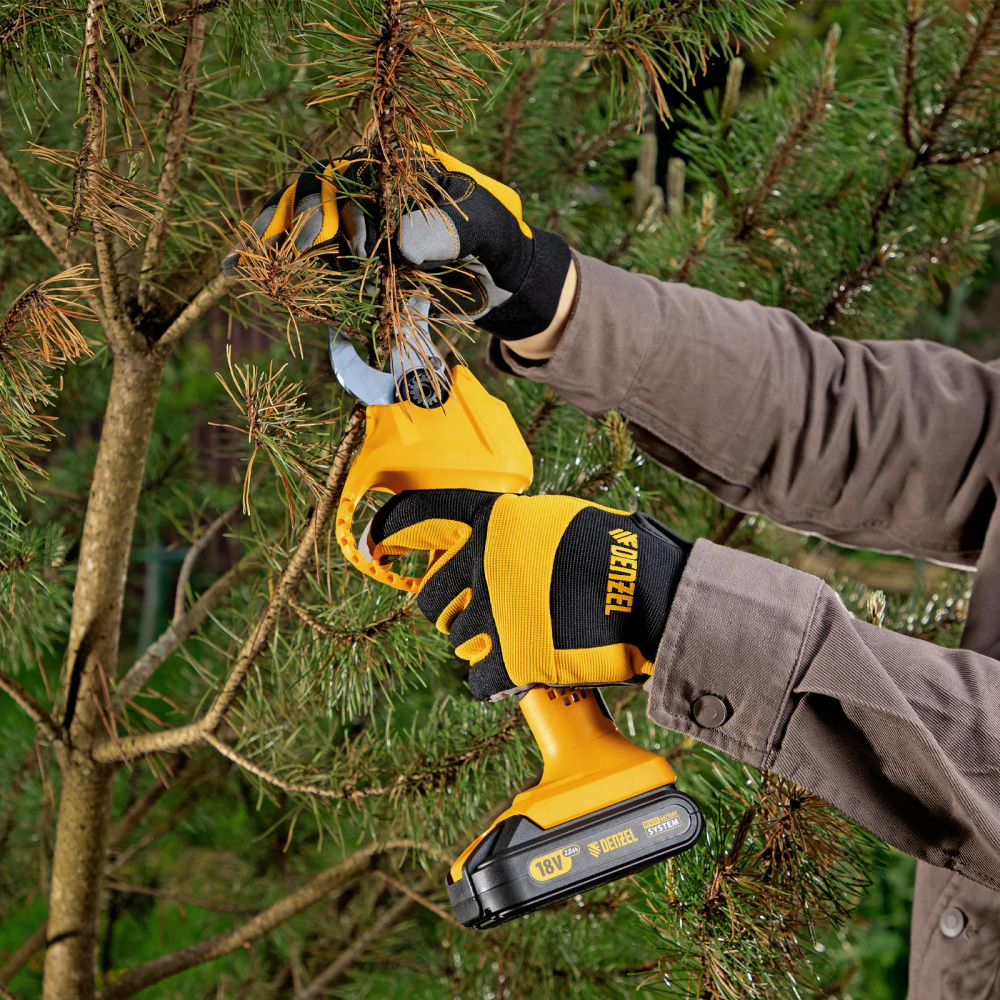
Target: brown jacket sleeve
892,445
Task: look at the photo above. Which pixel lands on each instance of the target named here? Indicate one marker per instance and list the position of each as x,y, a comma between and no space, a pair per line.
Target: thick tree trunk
85,800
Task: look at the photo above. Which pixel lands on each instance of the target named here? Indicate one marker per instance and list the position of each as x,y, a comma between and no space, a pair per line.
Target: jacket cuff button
952,922
709,711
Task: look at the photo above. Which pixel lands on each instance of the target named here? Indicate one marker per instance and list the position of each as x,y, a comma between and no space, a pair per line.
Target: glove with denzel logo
494,268
537,590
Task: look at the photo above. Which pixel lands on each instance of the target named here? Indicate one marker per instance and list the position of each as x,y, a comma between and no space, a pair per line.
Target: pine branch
367,633
180,629
417,775
965,74
182,103
541,415
965,158
848,284
359,946
781,154
588,46
138,978
92,150
13,185
515,105
89,162
134,44
26,701
292,787
927,153
913,12
703,230
284,590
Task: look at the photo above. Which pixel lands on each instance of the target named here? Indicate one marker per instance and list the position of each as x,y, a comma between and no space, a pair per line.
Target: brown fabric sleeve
889,445
901,735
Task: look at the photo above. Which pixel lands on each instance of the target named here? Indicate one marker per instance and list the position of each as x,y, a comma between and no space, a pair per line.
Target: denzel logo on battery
608,844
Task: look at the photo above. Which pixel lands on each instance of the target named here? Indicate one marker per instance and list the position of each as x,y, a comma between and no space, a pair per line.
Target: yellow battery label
553,864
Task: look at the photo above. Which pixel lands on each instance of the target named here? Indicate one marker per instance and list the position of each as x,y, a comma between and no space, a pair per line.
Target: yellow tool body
586,763
469,442
604,807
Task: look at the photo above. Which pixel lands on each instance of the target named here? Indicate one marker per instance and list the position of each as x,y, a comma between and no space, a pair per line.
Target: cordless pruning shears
604,808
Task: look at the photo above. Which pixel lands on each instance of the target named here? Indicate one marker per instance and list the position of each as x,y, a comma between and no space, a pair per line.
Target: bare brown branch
291,787
138,978
7,994
182,628
394,915
26,202
419,775
284,590
193,553
27,703
191,313
90,162
19,957
182,103
420,899
216,906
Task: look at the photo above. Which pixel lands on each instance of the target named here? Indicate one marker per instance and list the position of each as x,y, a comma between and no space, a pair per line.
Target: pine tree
139,140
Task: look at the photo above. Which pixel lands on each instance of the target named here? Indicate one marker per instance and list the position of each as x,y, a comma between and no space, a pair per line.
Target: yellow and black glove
329,226
511,274
537,590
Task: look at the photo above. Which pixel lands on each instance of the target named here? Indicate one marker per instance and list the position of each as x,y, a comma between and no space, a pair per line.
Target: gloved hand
537,590
314,191
513,273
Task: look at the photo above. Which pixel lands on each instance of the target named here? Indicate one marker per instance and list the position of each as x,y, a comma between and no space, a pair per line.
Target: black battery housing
519,867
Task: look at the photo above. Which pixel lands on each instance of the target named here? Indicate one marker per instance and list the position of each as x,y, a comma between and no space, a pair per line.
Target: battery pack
519,867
